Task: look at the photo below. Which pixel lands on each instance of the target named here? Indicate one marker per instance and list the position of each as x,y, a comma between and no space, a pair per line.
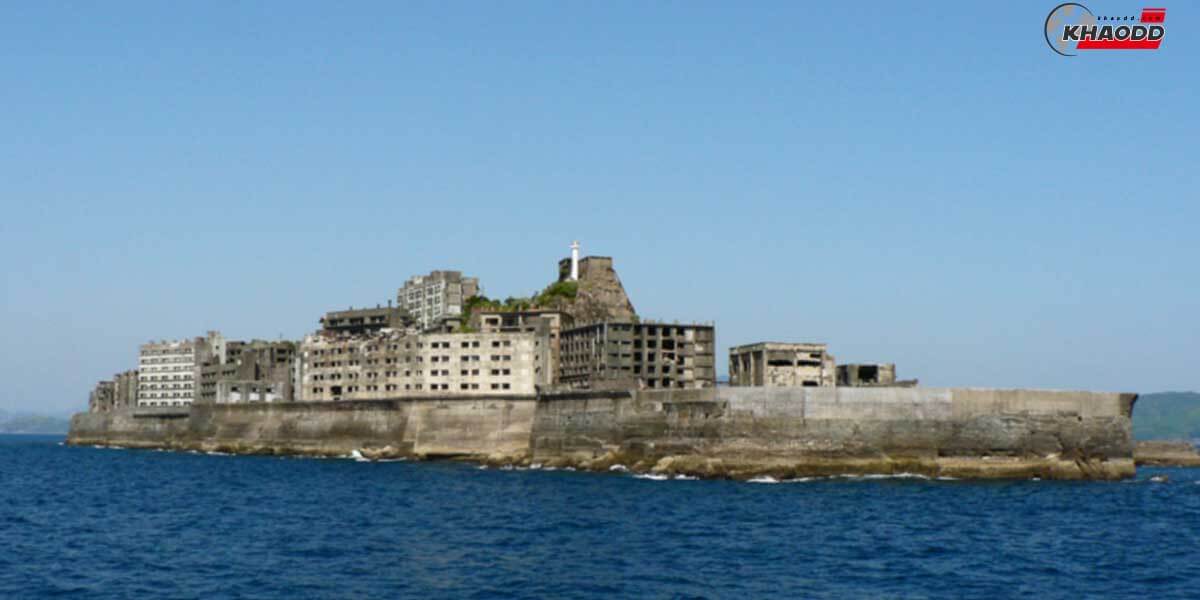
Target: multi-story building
775,364
168,370
119,393
125,390
433,297
256,371
637,354
101,398
547,324
361,320
392,364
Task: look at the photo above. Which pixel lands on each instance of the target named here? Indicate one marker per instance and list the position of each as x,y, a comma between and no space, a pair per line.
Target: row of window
391,387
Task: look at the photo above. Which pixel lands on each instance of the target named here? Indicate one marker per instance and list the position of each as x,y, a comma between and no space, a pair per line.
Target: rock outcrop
599,296
1166,453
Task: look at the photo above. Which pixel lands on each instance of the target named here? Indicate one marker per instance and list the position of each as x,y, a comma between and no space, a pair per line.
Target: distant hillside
1167,415
10,423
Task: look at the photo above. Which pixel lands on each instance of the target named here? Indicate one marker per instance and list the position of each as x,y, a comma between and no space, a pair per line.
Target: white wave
482,467
215,453
400,459
506,468
763,479
651,476
535,466
682,477
620,468
568,468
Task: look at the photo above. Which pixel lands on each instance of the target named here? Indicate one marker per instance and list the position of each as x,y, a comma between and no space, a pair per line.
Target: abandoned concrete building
102,397
168,370
391,364
119,393
546,324
871,375
775,364
125,390
255,371
362,320
433,297
637,354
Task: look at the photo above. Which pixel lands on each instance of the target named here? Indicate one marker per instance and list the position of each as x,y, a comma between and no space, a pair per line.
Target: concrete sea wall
420,428
723,432
797,432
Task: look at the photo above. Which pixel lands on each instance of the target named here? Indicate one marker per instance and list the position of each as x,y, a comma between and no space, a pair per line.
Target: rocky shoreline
1166,453
698,467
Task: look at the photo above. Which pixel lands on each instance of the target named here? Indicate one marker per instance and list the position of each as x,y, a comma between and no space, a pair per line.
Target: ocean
113,523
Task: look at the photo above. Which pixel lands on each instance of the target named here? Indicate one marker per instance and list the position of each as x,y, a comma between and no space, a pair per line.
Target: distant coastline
34,424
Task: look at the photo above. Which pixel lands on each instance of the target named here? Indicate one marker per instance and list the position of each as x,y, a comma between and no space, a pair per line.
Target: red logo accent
1154,15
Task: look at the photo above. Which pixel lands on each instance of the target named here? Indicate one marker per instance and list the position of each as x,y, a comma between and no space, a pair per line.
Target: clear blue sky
923,183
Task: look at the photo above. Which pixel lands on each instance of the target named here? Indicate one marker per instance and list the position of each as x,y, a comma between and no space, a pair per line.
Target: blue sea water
110,523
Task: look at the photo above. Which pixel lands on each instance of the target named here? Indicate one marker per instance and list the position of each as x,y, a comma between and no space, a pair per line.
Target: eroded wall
426,427
744,432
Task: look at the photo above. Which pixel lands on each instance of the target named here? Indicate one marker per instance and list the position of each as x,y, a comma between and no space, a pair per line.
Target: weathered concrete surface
723,432
793,432
480,428
1166,453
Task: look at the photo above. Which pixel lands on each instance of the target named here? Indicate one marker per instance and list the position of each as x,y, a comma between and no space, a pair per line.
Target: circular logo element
1065,13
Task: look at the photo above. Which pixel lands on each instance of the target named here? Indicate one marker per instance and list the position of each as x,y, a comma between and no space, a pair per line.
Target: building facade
637,354
547,324
775,364
431,298
102,397
870,375
363,320
256,371
168,370
387,365
125,390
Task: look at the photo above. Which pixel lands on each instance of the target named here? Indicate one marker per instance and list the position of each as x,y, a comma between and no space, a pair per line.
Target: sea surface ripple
110,523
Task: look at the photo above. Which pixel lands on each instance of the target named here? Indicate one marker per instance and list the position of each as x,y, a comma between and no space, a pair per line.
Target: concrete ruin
255,371
363,320
391,364
628,354
431,298
777,364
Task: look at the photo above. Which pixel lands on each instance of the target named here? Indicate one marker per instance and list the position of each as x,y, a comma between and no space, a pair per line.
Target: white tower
575,261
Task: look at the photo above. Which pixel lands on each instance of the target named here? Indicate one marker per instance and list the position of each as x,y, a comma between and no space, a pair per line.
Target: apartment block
255,371
387,365
547,324
431,298
637,354
168,370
